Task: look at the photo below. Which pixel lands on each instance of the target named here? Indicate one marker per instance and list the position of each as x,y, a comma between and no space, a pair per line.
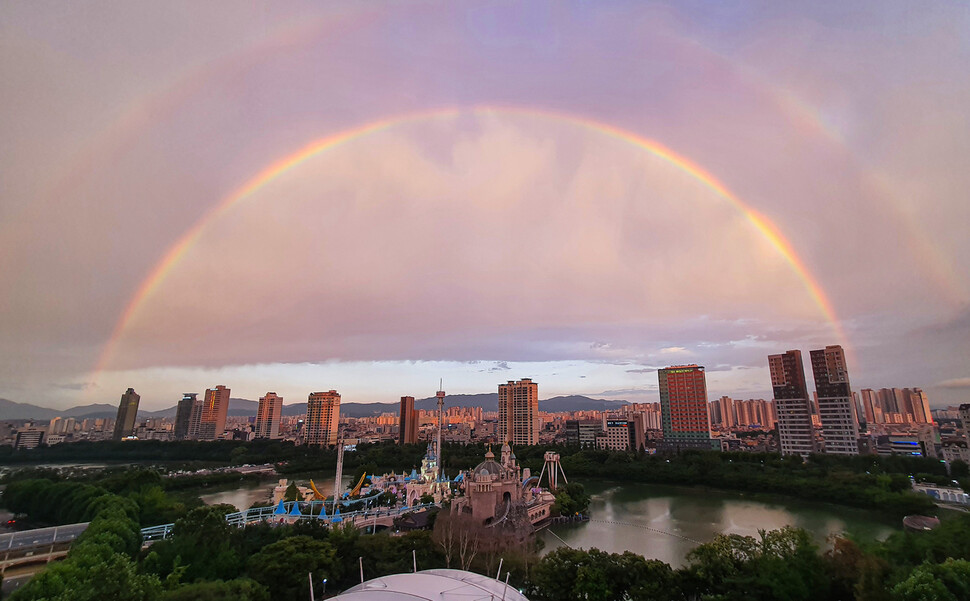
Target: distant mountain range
10,410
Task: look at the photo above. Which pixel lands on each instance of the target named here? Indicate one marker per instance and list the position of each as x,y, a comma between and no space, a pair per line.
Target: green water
665,523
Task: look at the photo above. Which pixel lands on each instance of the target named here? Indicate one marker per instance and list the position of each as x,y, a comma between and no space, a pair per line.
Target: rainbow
271,172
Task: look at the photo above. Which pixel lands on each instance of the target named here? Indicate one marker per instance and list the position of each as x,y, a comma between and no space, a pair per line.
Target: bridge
38,546
292,511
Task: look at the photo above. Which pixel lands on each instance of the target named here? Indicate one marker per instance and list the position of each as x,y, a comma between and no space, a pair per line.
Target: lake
658,522
665,522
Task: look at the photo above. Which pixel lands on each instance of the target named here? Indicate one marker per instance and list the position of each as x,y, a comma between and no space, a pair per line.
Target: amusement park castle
495,492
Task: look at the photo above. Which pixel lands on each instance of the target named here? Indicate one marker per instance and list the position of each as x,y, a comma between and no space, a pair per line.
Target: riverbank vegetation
206,558
867,481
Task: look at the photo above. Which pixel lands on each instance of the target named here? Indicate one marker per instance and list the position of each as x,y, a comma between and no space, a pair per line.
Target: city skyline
373,198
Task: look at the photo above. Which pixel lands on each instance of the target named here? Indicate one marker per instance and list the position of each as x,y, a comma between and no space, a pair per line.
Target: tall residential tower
127,410
840,423
212,420
268,416
183,415
792,408
408,424
322,418
518,412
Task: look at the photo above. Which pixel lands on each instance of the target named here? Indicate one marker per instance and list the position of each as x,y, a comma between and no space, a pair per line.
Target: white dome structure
438,585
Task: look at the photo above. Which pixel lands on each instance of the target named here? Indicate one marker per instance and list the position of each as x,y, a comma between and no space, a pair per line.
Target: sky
367,197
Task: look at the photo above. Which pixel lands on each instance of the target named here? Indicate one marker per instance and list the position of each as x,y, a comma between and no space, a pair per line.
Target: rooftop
438,585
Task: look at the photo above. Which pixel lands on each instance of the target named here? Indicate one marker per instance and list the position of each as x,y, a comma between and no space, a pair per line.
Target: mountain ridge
239,407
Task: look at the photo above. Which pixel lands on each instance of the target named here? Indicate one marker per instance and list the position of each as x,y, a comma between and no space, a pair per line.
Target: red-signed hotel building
683,408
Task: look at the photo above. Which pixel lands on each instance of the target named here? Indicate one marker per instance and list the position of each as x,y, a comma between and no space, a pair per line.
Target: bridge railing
261,514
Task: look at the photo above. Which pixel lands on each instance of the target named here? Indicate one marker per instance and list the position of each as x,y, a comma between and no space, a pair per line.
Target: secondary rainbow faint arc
268,174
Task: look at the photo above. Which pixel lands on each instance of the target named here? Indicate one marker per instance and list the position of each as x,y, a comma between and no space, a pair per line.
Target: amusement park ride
492,492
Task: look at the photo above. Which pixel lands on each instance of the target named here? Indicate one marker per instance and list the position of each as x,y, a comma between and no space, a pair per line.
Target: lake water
658,522
249,493
665,523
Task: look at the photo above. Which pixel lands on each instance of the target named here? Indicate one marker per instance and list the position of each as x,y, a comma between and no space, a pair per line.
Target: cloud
635,391
491,235
500,366
77,386
954,383
644,370
674,350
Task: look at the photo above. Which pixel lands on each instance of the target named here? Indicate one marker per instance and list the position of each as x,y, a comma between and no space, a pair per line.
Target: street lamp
324,587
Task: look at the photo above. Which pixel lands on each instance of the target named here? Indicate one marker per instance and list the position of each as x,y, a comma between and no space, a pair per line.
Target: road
12,583
17,541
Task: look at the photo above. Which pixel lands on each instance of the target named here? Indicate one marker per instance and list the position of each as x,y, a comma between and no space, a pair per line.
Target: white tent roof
439,585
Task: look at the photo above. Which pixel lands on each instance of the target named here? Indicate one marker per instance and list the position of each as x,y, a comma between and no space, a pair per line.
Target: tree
201,542
292,493
947,581
99,564
842,563
92,572
282,567
596,575
784,565
241,589
459,536
571,499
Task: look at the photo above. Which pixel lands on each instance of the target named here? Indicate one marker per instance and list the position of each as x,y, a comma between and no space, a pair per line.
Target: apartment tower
408,424
796,434
964,413
183,415
268,416
212,418
127,410
322,418
840,424
518,412
195,418
683,408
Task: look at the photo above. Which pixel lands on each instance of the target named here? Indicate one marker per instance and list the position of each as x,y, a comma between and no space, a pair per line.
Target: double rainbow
267,175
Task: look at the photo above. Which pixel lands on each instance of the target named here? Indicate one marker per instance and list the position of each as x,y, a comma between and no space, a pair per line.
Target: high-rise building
582,432
836,409
322,418
714,414
183,415
870,403
920,403
618,435
28,439
212,420
127,410
268,416
408,424
792,407
195,419
964,413
890,401
728,415
518,412
683,408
